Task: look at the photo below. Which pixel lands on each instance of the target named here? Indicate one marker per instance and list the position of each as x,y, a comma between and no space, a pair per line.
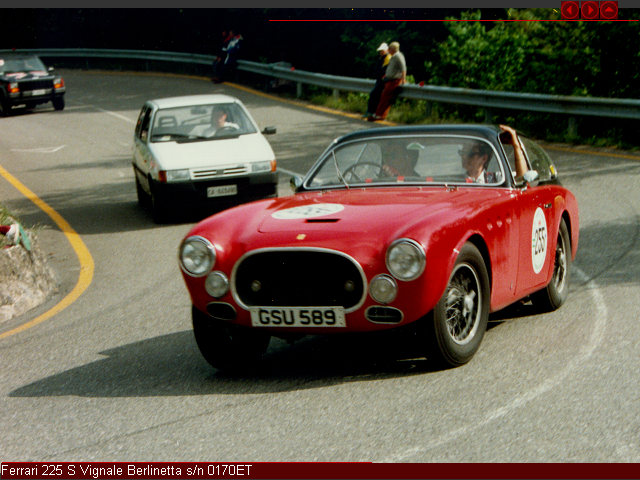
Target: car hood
22,76
373,210
243,149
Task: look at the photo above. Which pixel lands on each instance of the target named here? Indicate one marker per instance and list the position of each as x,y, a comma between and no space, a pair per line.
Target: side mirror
295,182
531,178
269,130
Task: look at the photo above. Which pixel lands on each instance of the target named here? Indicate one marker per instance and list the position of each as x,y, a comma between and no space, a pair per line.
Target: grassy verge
594,131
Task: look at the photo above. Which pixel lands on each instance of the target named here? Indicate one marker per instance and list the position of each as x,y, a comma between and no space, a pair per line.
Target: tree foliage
534,53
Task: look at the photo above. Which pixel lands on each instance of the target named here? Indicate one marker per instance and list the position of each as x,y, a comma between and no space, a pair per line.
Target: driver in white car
218,122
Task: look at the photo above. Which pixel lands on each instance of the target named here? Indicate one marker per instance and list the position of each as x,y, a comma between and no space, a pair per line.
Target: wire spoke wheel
556,292
463,298
457,323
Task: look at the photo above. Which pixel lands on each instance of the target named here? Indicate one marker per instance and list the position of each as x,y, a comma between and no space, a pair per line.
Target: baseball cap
383,46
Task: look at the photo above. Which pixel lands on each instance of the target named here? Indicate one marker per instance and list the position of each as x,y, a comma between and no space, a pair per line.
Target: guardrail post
488,115
298,89
572,128
336,94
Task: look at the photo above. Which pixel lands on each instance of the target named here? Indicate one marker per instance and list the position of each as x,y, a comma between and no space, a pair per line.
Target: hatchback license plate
297,317
222,191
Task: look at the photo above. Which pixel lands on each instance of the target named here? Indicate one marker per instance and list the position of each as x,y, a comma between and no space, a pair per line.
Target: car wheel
225,346
457,323
58,103
158,206
5,109
143,198
554,295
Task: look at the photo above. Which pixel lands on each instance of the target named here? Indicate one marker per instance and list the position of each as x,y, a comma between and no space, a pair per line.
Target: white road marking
39,149
117,115
597,335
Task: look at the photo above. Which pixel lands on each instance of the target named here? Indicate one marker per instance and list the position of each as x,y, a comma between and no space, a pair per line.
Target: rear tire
226,346
555,294
457,323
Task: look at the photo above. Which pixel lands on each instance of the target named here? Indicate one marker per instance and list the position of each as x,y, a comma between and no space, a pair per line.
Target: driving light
197,256
216,284
406,259
383,289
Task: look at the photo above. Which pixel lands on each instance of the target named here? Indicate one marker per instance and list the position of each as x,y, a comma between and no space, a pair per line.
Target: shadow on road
171,365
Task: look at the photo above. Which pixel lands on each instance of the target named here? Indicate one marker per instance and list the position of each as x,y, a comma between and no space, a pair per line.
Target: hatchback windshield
200,122
419,159
21,64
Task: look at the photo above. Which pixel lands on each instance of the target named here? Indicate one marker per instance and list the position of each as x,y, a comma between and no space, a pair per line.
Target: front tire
555,294
5,109
58,103
457,323
228,347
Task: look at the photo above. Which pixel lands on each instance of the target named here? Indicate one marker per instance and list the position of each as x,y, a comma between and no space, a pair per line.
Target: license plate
222,191
297,317
37,92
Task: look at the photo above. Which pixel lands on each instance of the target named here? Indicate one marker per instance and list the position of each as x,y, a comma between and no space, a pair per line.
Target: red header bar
310,470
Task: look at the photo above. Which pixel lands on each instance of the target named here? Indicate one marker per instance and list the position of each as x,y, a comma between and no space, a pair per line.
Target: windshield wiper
340,177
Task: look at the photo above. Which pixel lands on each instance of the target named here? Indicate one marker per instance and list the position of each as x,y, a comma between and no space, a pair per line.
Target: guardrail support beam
572,128
298,89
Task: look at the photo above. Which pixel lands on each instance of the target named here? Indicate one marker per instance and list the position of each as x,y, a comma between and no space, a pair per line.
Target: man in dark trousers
395,75
374,95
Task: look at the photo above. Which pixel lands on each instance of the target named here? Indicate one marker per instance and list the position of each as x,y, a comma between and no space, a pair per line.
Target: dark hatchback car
25,81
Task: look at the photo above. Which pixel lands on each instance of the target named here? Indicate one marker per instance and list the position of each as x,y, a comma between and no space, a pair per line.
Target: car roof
190,100
477,130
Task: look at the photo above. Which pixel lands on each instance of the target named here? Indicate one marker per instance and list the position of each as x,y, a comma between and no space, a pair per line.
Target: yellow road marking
593,152
84,256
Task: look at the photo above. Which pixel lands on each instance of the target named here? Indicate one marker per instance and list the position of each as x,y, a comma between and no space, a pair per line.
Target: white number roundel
308,211
538,240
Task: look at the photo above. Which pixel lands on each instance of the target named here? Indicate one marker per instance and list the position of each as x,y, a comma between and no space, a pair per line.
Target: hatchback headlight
197,256
261,167
406,259
178,175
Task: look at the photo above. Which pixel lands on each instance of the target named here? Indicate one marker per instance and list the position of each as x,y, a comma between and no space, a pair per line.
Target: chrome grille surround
309,275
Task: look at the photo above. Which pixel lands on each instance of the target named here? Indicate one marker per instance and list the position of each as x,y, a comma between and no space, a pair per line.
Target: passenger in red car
475,159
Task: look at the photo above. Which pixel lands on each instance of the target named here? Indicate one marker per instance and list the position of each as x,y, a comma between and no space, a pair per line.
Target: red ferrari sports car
439,225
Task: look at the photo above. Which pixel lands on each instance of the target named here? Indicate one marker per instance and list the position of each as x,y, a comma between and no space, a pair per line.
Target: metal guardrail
487,99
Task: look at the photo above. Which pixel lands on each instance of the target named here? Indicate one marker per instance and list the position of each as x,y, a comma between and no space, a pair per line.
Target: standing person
395,75
374,95
218,61
231,52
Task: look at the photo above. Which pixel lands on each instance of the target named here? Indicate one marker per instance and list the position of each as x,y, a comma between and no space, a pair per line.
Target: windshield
201,122
419,159
21,64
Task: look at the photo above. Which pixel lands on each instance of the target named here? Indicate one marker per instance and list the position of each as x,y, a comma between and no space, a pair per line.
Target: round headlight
406,259
197,256
383,289
216,284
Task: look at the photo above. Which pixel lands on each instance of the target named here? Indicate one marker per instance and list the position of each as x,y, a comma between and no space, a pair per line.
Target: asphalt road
116,375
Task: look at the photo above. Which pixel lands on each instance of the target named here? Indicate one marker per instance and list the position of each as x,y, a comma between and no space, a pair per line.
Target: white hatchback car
199,149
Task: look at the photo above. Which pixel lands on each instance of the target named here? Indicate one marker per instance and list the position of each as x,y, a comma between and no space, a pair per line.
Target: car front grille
219,172
29,85
299,278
